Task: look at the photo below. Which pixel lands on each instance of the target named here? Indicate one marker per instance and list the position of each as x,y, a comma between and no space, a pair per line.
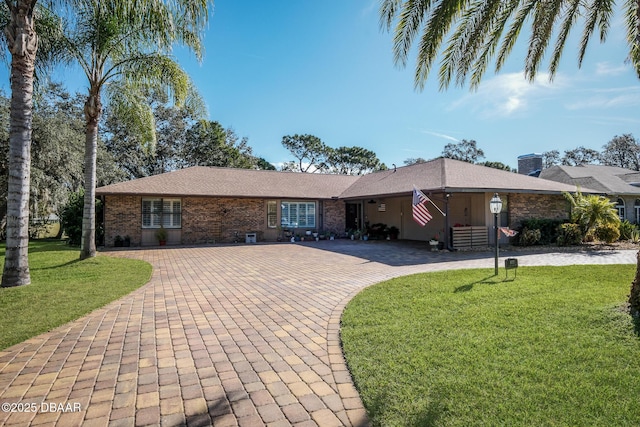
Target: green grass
464,348
63,289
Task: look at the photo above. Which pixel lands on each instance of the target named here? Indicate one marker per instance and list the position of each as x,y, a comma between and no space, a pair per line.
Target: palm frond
632,14
598,13
545,14
464,44
128,102
571,14
504,13
409,24
442,18
509,40
387,12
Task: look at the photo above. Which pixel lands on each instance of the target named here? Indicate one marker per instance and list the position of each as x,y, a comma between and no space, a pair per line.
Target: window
165,212
620,208
637,208
298,214
272,214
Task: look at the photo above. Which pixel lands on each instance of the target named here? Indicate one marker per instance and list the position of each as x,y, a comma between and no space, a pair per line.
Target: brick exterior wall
205,220
334,216
527,206
123,217
218,219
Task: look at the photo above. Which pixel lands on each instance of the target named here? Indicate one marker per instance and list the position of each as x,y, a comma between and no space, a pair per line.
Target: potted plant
127,241
394,232
434,242
161,235
118,241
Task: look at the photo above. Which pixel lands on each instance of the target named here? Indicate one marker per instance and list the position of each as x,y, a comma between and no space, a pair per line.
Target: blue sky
280,67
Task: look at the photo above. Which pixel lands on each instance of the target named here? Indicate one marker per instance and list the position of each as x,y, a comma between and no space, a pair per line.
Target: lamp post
495,206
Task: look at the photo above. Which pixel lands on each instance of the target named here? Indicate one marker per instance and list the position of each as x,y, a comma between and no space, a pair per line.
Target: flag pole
431,201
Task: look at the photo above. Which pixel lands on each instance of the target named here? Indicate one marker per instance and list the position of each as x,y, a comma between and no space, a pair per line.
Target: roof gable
450,175
606,179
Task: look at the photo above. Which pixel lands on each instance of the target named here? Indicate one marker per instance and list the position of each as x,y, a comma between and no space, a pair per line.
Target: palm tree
476,28
23,44
590,211
23,21
123,47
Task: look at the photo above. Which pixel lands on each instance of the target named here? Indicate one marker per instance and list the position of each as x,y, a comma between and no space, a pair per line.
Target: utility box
251,237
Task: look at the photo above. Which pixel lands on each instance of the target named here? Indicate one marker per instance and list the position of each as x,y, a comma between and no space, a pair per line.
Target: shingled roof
605,179
228,182
437,175
448,175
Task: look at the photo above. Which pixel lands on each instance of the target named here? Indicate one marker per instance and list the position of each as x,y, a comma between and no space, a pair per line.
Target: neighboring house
208,204
622,186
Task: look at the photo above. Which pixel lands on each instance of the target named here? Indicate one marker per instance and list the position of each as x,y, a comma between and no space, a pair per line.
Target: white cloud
440,135
507,95
609,69
621,97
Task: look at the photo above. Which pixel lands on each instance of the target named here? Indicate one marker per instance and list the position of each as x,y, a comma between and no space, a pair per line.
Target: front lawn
63,288
464,348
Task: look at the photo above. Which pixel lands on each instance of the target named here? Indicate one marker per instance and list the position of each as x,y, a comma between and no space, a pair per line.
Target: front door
354,215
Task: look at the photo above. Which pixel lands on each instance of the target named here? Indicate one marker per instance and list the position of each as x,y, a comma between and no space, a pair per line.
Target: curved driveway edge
222,335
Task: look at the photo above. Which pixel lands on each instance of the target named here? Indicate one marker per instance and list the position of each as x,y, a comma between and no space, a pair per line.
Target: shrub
627,229
71,219
608,233
548,229
529,237
569,234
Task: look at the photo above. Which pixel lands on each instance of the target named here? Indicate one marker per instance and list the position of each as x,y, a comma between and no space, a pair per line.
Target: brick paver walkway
227,335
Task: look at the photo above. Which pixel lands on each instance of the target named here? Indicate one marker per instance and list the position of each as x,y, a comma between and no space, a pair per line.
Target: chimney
530,164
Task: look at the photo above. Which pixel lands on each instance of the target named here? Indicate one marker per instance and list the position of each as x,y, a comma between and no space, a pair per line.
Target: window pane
146,213
293,215
177,213
284,214
311,214
156,213
302,215
272,214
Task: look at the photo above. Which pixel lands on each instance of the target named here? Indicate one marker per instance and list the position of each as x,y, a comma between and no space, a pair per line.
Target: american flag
421,214
508,232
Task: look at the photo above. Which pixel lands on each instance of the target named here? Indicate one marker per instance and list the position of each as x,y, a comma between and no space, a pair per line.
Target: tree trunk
92,110
22,43
634,296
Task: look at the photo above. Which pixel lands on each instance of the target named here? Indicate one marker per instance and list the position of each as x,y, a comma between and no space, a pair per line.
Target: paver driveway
226,335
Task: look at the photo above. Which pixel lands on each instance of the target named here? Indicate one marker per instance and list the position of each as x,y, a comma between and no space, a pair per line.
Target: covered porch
460,220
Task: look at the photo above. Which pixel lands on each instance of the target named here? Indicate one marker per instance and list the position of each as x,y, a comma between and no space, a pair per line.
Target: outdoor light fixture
495,206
